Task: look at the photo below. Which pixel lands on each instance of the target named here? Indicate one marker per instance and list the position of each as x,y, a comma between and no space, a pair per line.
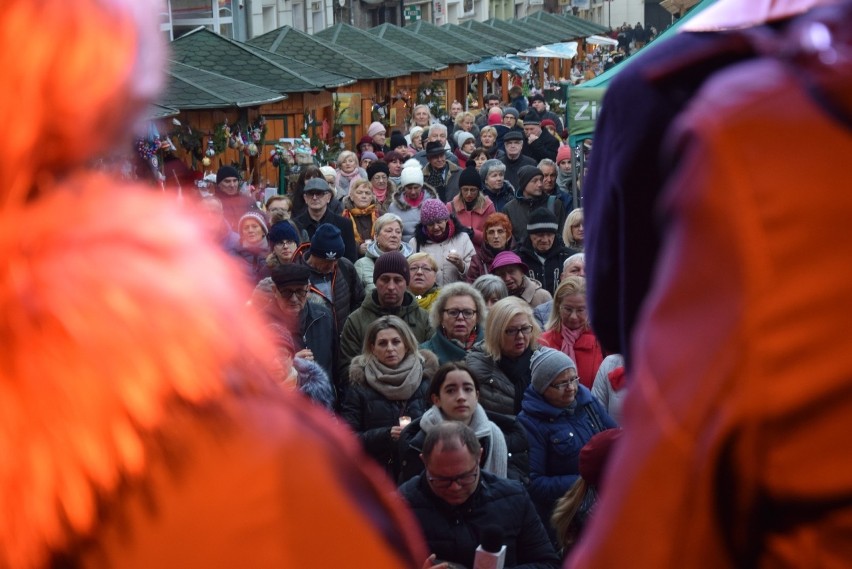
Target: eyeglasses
278,210
444,482
525,330
421,269
563,385
314,195
467,313
285,243
289,293
379,177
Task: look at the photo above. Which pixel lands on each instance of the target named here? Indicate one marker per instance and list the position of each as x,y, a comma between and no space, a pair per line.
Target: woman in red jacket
568,329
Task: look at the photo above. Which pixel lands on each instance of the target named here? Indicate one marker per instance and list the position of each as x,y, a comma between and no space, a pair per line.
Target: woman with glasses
387,235
560,416
454,394
569,331
456,316
502,358
388,385
440,234
470,206
423,268
572,232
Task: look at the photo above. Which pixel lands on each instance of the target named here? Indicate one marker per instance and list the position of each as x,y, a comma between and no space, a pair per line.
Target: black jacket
345,284
545,146
512,167
454,532
520,208
306,222
411,440
548,268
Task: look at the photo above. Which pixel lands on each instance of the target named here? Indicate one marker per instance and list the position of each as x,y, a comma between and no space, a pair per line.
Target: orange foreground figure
139,424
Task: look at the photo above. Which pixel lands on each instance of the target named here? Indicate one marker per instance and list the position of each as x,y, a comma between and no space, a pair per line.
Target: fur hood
358,377
314,383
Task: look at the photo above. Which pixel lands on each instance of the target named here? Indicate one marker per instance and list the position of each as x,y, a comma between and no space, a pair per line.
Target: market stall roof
318,75
405,37
512,42
528,32
155,111
313,51
563,50
364,42
190,88
559,30
502,63
211,52
577,27
446,36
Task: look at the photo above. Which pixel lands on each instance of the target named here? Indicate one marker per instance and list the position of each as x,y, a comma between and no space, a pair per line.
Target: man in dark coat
543,250
454,501
440,174
528,197
539,105
514,159
540,144
318,194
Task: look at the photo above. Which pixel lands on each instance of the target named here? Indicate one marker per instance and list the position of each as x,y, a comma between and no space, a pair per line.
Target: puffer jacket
410,215
371,415
454,532
555,437
547,270
352,338
364,265
460,243
497,391
345,284
412,438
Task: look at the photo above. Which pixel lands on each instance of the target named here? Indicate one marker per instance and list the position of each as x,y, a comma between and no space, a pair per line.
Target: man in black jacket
543,250
540,144
318,194
454,500
514,159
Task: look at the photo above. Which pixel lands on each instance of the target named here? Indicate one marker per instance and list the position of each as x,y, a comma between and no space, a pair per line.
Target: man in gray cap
514,159
318,194
530,196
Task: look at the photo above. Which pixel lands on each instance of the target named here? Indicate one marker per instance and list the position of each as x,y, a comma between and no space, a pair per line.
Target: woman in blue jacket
560,416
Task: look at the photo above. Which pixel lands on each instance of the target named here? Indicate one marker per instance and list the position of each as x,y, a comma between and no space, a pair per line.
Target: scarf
467,345
435,179
357,215
396,384
448,233
347,179
417,202
497,459
380,194
569,337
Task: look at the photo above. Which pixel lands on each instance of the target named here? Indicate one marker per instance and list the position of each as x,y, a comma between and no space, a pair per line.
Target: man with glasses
318,194
309,321
454,500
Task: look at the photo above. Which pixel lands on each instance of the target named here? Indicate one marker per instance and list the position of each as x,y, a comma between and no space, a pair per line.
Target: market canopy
564,50
601,40
502,63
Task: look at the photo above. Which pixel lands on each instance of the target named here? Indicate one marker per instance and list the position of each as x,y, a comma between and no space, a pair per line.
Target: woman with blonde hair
502,359
458,318
572,232
348,171
387,235
388,385
568,329
361,208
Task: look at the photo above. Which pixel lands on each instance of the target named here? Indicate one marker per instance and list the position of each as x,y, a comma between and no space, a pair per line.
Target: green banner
584,106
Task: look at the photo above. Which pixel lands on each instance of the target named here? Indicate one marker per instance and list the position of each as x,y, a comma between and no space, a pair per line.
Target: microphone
492,553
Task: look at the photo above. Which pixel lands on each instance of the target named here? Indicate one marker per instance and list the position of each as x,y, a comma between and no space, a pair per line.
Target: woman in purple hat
441,235
509,267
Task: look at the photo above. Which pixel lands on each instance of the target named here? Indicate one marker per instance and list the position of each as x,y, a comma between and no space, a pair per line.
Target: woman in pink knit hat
440,234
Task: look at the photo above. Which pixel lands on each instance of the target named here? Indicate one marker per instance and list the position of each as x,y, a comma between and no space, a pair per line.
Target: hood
373,251
314,383
534,404
403,205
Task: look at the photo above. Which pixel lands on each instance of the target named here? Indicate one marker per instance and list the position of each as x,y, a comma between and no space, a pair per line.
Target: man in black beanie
234,204
530,196
543,250
391,276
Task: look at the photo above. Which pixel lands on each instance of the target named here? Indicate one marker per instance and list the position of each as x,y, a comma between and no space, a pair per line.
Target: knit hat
564,153
537,97
432,211
256,216
377,167
288,274
496,117
365,140
511,111
392,262
415,132
595,454
327,243
434,148
283,231
513,135
462,137
526,174
369,156
412,163
226,172
397,140
487,166
548,122
375,128
411,176
532,117
545,365
316,185
507,258
328,171
542,220
470,177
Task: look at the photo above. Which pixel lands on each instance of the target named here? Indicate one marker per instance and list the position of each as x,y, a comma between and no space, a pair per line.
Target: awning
501,63
564,50
601,40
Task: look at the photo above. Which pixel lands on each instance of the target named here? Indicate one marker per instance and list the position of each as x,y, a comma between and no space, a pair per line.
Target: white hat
412,163
411,176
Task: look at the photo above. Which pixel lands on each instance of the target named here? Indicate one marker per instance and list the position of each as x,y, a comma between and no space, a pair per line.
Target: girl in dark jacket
388,385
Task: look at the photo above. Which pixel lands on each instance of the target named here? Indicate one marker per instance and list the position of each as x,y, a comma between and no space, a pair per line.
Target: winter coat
507,194
412,438
497,391
345,285
364,265
454,532
445,349
460,243
512,167
474,219
534,293
545,268
481,263
520,208
603,390
451,182
555,437
546,146
587,351
307,223
371,415
352,337
410,215
234,206
254,262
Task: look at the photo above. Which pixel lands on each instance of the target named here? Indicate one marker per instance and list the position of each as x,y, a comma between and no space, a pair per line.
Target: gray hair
452,290
547,162
491,286
575,258
386,219
489,165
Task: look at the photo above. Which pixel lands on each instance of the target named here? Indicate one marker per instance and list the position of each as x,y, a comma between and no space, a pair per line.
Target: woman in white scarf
454,392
